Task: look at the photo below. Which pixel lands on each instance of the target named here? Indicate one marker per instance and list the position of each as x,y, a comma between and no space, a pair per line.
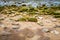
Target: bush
13,6
21,19
1,8
32,19
23,9
31,13
23,4
57,16
1,19
56,13
31,9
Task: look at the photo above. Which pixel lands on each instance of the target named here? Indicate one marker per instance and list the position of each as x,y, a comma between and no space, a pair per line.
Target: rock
3,33
2,25
57,26
39,32
45,30
55,32
47,21
44,38
27,32
40,17
15,27
54,20
40,23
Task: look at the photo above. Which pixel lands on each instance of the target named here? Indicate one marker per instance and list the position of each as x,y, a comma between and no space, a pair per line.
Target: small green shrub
1,8
1,19
13,6
32,19
57,16
31,9
21,19
56,13
23,9
23,4
31,13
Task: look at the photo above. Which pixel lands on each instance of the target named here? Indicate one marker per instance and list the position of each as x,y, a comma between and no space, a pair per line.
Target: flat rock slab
12,30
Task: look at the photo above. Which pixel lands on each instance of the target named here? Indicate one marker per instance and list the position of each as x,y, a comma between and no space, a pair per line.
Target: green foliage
13,6
23,9
57,16
21,19
32,13
31,9
24,5
32,19
56,13
1,19
28,19
1,8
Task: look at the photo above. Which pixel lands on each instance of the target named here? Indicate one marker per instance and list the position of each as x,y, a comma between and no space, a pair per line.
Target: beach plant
1,8
21,19
57,16
32,19
23,9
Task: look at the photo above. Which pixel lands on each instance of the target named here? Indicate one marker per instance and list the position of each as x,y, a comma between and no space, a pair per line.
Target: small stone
2,25
4,33
55,32
40,23
15,27
45,30
44,38
54,20
47,21
57,26
40,17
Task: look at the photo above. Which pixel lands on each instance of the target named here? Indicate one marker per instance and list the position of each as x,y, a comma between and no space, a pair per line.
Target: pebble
40,17
57,26
45,30
55,32
15,27
47,21
54,20
40,23
4,33
2,25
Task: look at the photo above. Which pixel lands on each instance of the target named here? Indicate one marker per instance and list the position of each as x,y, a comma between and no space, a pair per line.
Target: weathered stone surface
29,30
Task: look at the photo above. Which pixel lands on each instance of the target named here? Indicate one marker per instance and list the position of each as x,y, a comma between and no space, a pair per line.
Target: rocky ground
47,28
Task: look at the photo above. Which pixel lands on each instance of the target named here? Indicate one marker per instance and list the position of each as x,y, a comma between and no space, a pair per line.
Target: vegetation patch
32,19
57,16
21,19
